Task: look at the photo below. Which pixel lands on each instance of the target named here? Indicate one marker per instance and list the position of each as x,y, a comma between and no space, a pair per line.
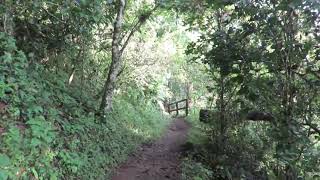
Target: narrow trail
159,160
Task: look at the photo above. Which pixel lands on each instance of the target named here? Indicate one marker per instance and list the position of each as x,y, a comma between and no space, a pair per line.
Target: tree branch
142,19
313,127
260,116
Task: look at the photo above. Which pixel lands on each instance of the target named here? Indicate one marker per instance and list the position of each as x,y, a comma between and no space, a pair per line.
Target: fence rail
177,108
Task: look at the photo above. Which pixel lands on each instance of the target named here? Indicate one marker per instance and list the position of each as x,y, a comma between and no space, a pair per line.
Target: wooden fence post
187,107
177,109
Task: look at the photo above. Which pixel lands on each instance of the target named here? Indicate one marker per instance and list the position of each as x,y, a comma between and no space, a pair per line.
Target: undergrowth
242,157
46,132
247,152
193,165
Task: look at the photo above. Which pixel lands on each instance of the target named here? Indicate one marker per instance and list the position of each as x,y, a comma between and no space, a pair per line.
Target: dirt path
157,161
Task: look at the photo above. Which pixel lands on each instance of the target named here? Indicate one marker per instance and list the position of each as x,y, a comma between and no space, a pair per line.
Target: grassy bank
49,130
192,166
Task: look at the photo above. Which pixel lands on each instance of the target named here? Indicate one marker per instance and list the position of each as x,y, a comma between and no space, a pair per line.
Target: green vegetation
262,58
192,165
84,82
48,132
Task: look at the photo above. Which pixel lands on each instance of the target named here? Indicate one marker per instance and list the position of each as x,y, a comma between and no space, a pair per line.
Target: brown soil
157,161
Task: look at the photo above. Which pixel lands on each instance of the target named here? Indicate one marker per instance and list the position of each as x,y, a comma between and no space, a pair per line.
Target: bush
49,133
192,170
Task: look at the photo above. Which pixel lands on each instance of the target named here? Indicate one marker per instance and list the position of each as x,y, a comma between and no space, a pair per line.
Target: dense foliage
84,82
262,56
49,132
54,57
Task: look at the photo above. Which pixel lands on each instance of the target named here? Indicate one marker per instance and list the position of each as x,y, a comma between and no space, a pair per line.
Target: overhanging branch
313,127
260,116
141,20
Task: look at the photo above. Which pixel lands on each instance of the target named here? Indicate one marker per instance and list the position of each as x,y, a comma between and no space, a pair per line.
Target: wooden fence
177,108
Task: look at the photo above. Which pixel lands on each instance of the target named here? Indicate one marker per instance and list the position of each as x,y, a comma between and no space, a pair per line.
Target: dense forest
86,83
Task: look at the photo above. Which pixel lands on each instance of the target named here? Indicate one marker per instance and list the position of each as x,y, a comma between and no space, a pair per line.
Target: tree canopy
85,79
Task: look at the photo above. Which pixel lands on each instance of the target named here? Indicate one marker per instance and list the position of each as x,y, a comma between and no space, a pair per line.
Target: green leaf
35,173
3,174
35,142
7,58
53,177
4,160
243,90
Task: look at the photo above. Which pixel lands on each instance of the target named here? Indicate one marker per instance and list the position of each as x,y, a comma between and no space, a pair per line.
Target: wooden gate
177,108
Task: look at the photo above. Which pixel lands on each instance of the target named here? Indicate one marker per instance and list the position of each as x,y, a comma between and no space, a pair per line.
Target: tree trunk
222,108
8,23
119,43
116,63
